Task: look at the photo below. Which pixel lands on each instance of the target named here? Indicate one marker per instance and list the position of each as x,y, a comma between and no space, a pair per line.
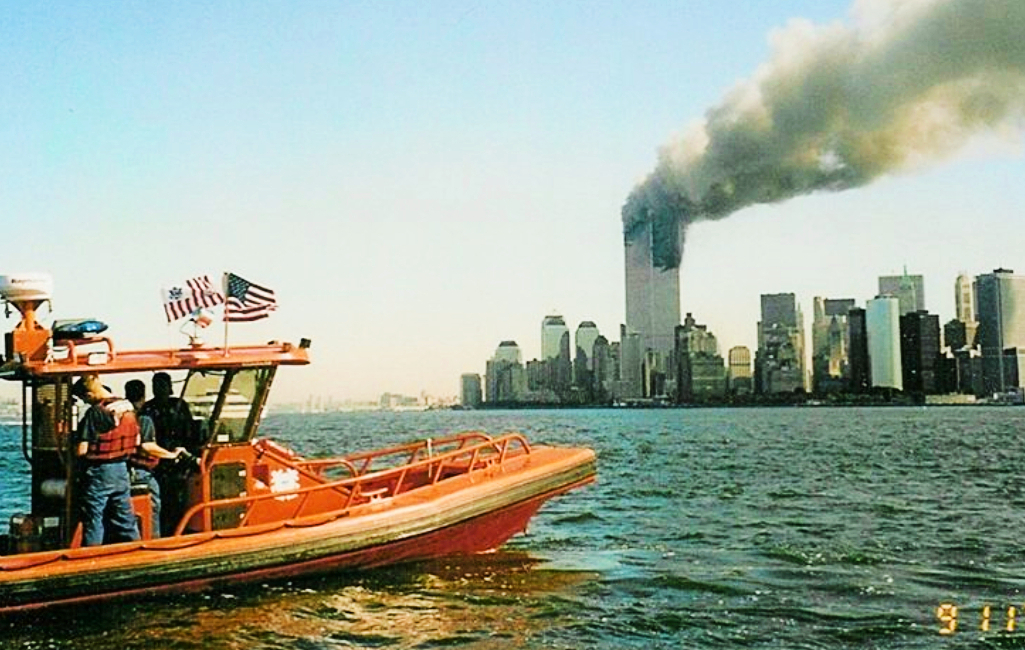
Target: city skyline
527,342
417,183
884,346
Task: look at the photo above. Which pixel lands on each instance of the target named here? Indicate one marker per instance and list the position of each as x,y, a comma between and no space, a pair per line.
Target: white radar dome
16,287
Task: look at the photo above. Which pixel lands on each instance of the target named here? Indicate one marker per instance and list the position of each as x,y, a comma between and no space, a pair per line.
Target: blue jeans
106,503
146,477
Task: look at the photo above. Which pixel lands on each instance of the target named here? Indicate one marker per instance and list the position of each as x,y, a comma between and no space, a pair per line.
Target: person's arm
148,436
155,450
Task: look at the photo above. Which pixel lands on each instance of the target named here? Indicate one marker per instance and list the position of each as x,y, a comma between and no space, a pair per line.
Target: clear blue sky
420,180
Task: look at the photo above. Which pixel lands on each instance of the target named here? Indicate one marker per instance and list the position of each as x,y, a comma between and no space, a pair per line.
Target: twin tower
652,298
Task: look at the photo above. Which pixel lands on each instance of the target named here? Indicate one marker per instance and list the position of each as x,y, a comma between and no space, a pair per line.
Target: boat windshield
227,404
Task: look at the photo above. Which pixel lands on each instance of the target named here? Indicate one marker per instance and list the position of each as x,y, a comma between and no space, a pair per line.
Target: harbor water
708,528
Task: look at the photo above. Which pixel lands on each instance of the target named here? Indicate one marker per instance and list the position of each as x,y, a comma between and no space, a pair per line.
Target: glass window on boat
228,403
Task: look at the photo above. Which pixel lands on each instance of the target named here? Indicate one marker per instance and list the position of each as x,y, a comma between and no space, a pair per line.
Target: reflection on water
496,600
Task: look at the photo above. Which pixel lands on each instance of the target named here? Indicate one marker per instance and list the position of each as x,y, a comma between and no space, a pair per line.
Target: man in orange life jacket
142,463
107,435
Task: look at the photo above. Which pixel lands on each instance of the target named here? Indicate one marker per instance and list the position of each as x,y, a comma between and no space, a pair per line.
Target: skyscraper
631,357
700,373
555,353
829,343
964,299
506,379
779,360
920,352
583,358
882,323
586,335
470,393
909,290
740,381
603,371
964,312
857,353
652,298
553,327
1000,299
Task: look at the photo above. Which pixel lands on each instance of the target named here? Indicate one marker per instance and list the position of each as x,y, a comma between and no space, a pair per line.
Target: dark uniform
172,421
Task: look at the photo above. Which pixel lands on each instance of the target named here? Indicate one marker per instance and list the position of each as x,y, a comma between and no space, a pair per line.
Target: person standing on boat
172,421
143,462
106,436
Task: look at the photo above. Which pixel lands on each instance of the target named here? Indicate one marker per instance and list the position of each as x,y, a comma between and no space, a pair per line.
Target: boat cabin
226,390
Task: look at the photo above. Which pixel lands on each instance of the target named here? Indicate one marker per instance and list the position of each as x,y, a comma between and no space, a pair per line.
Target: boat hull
471,514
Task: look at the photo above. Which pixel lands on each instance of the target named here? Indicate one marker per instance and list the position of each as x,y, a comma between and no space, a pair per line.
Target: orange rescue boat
255,510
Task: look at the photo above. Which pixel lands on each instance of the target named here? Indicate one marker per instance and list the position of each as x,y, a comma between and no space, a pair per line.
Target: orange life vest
117,443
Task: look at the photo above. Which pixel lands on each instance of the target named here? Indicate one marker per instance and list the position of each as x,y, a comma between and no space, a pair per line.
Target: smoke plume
836,106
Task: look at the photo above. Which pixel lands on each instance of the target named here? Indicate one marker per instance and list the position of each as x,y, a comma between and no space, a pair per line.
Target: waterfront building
967,371
653,380
585,336
955,335
964,298
583,357
909,290
470,393
652,300
553,328
555,353
631,357
1000,300
537,375
779,360
829,344
505,377
920,353
603,374
882,324
508,351
613,375
740,378
964,311
858,380
700,373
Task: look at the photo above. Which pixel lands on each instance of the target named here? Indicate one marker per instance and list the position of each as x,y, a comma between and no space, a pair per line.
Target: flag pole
224,292
167,325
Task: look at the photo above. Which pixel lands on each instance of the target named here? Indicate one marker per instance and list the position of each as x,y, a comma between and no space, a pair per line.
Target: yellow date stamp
985,618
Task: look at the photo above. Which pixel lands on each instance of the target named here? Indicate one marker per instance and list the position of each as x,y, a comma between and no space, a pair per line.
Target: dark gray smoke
836,106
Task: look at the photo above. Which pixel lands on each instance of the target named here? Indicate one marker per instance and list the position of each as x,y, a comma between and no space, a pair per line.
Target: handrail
414,449
502,447
317,466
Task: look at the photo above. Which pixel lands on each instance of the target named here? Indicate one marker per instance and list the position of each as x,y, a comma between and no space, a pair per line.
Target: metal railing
459,455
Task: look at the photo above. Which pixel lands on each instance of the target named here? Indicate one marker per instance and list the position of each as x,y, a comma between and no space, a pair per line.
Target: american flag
247,301
181,300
